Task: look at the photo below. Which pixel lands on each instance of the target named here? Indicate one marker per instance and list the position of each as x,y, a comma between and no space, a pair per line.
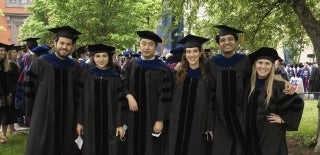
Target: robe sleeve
166,93
31,81
125,77
210,124
79,97
291,110
121,110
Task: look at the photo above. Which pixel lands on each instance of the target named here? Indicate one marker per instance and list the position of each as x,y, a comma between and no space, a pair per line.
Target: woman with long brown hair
191,107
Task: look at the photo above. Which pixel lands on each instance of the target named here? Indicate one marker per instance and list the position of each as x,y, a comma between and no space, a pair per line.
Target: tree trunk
312,27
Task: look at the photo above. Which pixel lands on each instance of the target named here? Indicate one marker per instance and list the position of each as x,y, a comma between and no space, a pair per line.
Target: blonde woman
12,77
270,112
3,91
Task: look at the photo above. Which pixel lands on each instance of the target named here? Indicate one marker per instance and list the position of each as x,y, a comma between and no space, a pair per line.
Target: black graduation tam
177,50
264,53
101,48
149,35
190,41
41,49
66,32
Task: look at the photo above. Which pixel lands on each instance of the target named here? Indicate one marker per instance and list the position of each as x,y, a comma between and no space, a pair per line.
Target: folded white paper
79,142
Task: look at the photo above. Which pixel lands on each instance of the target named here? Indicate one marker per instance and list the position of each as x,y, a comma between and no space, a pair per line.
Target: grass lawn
308,124
15,146
307,129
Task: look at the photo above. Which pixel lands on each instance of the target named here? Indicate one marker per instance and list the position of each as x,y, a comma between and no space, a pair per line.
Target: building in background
14,14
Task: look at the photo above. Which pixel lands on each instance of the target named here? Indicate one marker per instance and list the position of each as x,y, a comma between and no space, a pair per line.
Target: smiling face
227,44
193,55
64,47
263,67
147,48
2,53
101,60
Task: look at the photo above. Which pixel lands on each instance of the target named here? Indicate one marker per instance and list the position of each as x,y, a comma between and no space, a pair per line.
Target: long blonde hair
267,88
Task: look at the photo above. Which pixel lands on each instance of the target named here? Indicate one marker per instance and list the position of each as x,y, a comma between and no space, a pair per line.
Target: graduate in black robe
3,92
191,109
270,112
101,117
231,71
52,93
149,91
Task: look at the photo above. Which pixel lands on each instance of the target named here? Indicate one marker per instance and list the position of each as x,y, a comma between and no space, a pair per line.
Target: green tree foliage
111,22
265,22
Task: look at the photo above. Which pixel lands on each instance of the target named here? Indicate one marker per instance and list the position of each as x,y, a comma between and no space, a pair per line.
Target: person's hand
209,135
158,126
133,105
79,129
121,133
178,65
274,118
289,89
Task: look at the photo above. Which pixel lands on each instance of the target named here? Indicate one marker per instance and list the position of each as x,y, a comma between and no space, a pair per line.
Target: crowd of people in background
90,100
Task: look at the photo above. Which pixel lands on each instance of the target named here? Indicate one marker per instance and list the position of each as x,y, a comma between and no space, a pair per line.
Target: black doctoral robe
101,112
150,82
232,78
267,138
190,114
52,93
3,94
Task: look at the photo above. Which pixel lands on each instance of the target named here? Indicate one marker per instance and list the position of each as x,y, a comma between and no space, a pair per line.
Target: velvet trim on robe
186,115
52,58
227,62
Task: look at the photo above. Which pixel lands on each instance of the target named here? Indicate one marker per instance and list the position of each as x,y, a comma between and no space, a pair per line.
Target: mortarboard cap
11,47
226,30
31,42
101,48
39,50
177,50
264,53
66,32
82,49
5,46
31,39
192,41
149,35
19,48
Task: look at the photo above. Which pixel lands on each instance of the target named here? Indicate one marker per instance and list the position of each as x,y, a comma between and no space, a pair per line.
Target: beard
63,53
